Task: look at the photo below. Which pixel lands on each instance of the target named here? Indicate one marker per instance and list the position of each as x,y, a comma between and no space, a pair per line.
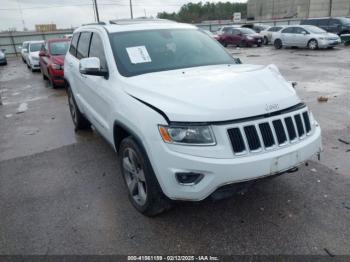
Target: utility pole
96,10
308,9
131,14
93,8
330,7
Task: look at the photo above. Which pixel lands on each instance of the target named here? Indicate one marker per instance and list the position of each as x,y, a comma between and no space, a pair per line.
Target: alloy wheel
134,176
313,44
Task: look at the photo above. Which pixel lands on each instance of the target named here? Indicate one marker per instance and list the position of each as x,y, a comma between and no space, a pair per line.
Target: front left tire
313,44
278,44
144,191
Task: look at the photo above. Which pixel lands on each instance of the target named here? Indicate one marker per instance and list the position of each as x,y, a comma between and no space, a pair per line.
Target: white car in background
24,51
32,58
304,36
225,29
268,33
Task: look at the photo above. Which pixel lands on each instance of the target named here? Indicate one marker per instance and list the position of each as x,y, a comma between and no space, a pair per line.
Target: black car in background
336,25
3,60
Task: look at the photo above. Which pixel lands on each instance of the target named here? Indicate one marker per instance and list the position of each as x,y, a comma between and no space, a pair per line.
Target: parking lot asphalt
61,192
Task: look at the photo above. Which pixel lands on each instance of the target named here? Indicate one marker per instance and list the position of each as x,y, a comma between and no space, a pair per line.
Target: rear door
71,69
82,52
236,36
334,26
288,36
226,35
96,90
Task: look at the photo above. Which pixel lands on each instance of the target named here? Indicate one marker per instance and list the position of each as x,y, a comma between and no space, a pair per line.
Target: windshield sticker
138,55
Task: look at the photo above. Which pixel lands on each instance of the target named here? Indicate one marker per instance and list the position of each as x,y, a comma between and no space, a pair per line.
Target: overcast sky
67,13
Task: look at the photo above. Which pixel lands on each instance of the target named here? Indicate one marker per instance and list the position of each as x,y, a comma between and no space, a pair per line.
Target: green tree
198,12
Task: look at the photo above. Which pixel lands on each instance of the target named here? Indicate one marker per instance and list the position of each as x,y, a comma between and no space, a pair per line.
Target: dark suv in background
336,25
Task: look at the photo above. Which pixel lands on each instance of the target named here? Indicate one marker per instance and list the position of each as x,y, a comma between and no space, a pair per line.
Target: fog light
189,178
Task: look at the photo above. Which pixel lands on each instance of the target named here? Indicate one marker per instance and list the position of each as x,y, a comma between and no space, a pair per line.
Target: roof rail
97,23
139,21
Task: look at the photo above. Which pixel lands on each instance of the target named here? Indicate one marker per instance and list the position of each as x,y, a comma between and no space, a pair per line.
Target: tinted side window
309,22
278,29
97,50
83,45
334,22
299,30
323,22
289,30
73,44
226,29
235,32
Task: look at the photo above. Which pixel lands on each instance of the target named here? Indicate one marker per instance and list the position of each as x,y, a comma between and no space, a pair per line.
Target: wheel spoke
133,159
127,165
141,175
141,190
134,175
133,186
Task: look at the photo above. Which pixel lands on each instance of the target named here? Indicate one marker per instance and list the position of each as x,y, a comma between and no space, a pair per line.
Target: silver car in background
269,32
308,36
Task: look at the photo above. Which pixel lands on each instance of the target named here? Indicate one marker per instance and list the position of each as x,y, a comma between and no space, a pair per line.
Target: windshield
59,48
315,30
140,52
35,47
345,21
247,31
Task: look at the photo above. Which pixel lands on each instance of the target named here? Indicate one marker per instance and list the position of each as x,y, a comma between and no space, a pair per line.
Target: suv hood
214,93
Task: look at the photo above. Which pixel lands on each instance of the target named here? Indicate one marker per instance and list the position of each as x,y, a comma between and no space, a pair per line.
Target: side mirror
42,53
25,50
304,33
92,66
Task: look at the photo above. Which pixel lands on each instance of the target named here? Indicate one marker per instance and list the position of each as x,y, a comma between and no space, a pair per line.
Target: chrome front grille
270,133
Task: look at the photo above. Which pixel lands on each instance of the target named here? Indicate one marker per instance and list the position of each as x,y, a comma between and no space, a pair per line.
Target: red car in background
240,37
52,60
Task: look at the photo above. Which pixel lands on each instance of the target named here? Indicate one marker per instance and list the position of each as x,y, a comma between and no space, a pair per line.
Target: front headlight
250,38
56,66
2,55
34,58
190,135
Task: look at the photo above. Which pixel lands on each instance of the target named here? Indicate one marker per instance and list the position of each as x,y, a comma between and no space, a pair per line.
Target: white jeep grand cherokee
184,116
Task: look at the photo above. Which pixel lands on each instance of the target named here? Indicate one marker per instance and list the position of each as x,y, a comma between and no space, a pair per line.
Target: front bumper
255,41
219,172
35,64
329,43
58,80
